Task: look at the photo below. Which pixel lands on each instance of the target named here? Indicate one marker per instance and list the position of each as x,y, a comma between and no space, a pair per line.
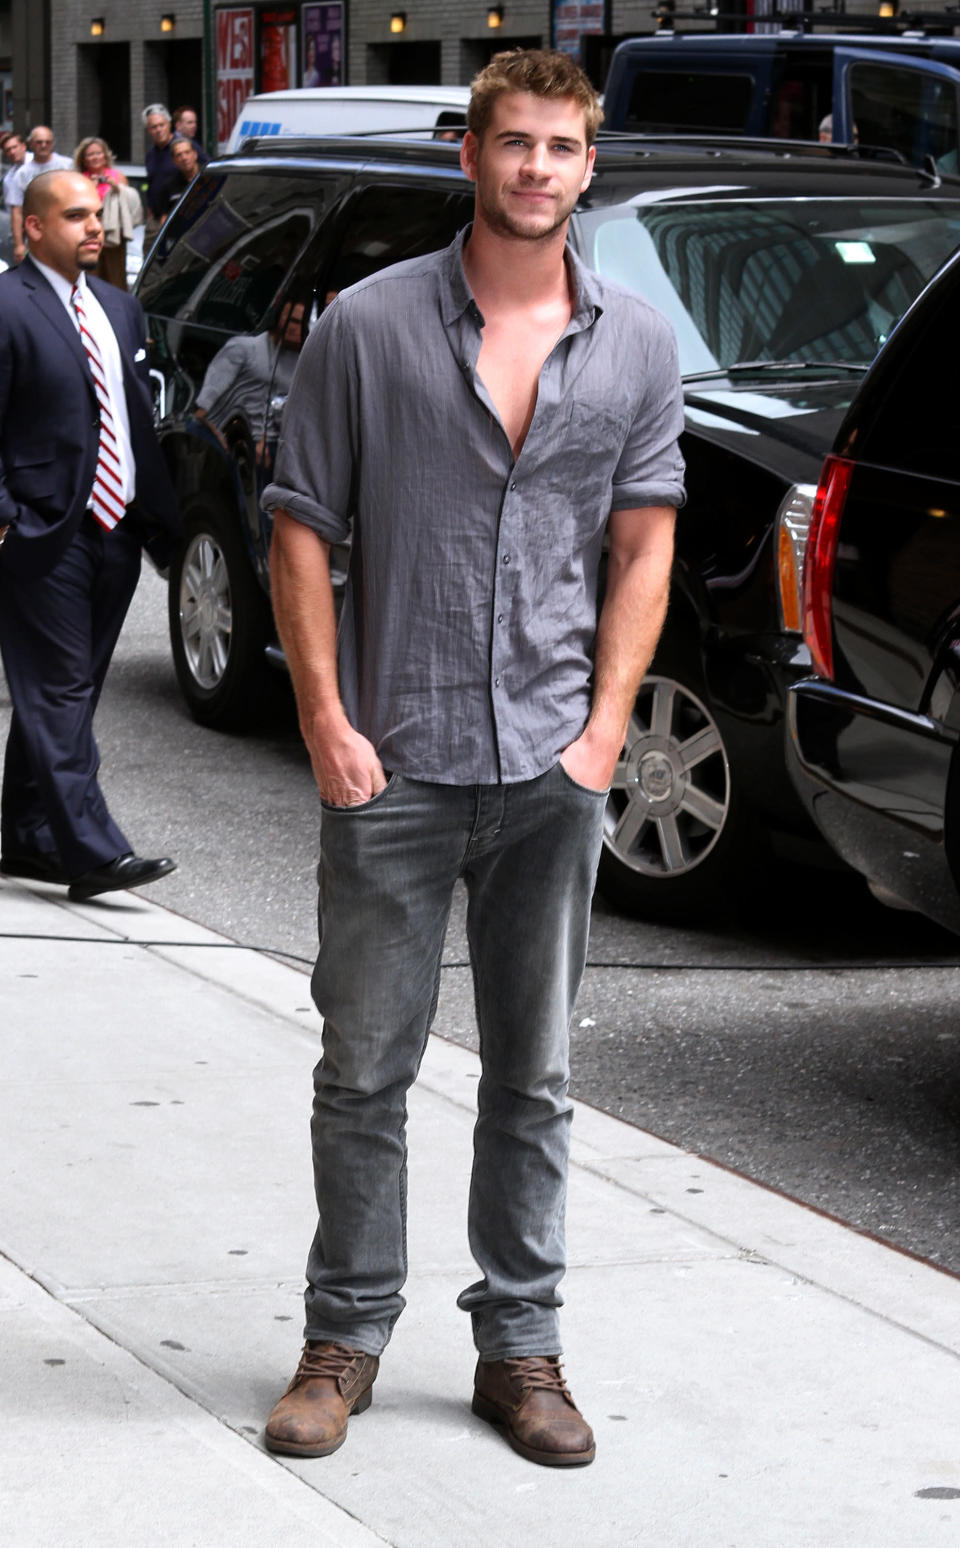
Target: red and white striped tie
106,497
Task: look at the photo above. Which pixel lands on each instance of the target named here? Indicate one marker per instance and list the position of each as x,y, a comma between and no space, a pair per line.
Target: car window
914,112
226,252
774,280
385,224
913,427
684,101
802,96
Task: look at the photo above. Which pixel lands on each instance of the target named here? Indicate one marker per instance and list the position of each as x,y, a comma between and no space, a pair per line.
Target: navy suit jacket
50,424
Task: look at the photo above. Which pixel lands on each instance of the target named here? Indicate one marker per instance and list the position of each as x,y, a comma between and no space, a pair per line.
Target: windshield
793,280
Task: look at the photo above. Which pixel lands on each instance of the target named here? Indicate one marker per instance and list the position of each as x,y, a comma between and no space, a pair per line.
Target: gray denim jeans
528,854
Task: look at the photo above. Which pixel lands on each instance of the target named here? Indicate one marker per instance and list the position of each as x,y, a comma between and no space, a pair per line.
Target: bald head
61,218
41,143
45,189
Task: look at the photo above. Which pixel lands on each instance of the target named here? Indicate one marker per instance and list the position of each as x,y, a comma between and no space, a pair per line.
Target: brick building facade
91,66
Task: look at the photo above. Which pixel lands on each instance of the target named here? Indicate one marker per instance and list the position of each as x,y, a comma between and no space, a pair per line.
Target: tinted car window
224,255
914,113
914,427
662,101
802,96
386,224
765,280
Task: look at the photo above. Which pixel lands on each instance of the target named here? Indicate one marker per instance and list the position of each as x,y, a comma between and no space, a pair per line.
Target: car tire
677,844
220,624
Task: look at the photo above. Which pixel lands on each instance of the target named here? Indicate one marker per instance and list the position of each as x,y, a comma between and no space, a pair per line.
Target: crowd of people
172,162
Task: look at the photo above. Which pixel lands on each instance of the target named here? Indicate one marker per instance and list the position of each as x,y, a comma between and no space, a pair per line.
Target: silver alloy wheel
670,796
206,610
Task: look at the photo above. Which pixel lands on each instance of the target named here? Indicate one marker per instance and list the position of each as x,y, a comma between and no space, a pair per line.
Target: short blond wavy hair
539,71
79,155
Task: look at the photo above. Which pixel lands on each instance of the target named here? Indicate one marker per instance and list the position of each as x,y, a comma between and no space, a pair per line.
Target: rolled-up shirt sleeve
651,466
318,450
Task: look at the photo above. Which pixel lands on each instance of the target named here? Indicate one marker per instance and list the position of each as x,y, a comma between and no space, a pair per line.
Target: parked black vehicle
874,736
900,93
782,271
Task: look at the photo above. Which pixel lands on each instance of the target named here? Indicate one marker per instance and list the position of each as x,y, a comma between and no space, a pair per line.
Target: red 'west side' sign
235,68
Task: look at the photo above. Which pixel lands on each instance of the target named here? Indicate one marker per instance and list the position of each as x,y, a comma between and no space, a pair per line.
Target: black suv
875,745
783,271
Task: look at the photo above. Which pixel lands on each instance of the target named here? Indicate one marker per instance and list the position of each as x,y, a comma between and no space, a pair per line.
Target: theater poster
278,50
236,64
572,20
322,44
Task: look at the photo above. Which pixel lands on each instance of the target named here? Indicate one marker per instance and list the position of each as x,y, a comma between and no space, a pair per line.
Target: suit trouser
57,635
528,855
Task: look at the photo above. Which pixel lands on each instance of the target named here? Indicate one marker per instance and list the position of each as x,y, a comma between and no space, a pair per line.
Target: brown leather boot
529,1397
331,1383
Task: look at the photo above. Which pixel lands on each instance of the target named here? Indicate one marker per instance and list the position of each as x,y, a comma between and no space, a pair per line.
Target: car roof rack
393,145
421,134
910,21
386,146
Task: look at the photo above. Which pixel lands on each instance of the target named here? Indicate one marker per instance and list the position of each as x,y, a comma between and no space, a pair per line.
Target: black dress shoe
125,871
37,867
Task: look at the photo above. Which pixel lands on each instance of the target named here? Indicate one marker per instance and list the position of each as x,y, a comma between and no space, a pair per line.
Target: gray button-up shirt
467,634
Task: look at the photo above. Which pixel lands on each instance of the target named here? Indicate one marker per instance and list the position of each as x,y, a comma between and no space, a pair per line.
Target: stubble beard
500,221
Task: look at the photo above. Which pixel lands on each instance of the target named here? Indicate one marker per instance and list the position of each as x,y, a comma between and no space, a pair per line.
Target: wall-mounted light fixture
887,9
495,16
168,22
96,26
398,21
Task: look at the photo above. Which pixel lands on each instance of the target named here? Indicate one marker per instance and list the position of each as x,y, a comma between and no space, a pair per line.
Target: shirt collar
63,287
457,297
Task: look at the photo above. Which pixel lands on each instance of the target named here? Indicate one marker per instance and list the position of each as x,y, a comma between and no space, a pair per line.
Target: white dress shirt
99,324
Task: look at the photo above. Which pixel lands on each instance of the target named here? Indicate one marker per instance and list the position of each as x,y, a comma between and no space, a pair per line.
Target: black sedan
874,735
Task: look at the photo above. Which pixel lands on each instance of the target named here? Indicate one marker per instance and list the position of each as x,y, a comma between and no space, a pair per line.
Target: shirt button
514,484
496,682
499,618
506,558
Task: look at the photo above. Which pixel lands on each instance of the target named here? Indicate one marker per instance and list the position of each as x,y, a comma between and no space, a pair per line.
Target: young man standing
483,415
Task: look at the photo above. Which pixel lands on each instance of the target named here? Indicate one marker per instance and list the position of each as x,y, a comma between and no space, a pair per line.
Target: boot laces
333,1361
539,1373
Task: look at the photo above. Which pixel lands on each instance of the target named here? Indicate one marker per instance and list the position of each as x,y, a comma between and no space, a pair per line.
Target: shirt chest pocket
586,440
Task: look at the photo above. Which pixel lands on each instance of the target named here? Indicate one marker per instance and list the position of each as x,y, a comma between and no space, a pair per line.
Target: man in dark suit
83,488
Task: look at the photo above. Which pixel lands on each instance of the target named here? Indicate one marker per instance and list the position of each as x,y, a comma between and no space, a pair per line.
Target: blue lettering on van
252,126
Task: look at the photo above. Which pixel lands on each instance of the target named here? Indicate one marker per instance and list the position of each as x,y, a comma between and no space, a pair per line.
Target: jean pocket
575,784
356,808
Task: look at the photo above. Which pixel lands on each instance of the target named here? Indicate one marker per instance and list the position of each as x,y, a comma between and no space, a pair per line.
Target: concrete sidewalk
757,1376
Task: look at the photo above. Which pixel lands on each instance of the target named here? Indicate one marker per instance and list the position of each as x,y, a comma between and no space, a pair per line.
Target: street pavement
757,1374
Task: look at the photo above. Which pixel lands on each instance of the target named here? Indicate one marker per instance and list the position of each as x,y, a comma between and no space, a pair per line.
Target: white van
349,110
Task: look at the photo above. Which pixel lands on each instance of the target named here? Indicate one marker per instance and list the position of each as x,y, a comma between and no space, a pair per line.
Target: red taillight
819,562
